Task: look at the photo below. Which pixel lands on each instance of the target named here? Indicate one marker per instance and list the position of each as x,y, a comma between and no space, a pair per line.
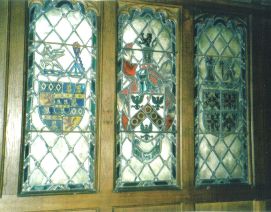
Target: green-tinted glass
59,133
221,100
146,104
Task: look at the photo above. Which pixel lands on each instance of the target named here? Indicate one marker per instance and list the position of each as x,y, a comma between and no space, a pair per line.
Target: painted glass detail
146,103
59,134
221,100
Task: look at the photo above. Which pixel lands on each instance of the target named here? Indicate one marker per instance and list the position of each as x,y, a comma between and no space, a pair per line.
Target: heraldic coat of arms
149,104
61,103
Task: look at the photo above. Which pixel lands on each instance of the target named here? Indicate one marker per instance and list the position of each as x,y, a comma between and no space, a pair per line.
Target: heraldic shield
61,104
220,111
147,119
151,103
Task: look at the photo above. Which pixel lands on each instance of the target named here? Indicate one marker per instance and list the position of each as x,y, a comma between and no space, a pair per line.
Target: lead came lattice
146,106
59,141
221,100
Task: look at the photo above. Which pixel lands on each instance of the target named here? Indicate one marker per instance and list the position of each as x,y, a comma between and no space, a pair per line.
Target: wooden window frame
12,62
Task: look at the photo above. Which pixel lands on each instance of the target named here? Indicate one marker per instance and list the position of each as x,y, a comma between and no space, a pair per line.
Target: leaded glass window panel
221,100
59,133
146,100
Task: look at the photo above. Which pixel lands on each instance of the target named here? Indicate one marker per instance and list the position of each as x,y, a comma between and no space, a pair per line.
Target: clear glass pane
221,100
146,104
59,134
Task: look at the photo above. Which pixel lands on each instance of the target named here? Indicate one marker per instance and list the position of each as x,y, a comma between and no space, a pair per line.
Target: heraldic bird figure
50,57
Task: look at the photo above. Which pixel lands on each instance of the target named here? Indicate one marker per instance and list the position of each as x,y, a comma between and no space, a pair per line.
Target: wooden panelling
219,5
14,97
100,199
187,99
160,208
75,210
189,198
266,82
188,206
268,205
4,17
257,96
225,206
259,205
108,81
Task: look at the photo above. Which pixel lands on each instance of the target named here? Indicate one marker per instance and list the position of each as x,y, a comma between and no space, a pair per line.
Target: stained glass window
221,100
60,107
146,100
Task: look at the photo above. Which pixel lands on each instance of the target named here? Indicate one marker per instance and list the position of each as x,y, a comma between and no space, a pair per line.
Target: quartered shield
61,105
220,111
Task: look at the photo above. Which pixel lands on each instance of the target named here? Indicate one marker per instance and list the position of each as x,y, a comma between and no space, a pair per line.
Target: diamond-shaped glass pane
220,150
204,148
229,161
60,98
212,161
221,101
146,90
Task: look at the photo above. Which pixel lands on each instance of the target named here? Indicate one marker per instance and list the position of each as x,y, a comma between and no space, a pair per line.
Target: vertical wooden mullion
179,152
266,112
259,205
14,97
187,100
257,91
108,98
4,26
188,206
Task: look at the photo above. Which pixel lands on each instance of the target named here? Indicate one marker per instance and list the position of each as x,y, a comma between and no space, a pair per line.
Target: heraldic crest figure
61,104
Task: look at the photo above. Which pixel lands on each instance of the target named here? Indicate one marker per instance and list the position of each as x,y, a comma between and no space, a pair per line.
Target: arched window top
147,22
62,22
220,36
